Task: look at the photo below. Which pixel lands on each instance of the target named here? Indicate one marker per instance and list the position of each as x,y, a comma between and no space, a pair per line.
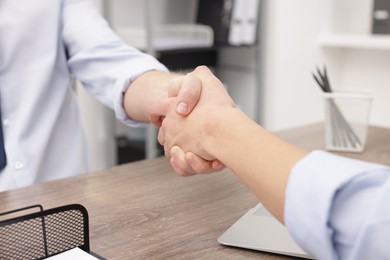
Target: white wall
291,51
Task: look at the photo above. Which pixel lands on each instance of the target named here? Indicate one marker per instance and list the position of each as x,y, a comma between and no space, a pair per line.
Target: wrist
220,128
146,89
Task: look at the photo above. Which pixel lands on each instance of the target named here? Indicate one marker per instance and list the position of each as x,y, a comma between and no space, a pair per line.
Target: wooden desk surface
143,210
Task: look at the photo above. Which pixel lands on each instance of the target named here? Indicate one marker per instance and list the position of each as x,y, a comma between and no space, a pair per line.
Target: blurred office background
270,81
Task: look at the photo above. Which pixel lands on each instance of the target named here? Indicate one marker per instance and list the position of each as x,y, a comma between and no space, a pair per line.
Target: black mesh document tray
45,233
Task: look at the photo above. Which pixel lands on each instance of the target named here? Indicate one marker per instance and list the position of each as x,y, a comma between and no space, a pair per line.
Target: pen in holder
346,116
346,119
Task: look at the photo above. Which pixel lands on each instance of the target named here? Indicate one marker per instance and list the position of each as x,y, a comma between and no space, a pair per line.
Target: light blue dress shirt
339,208
43,43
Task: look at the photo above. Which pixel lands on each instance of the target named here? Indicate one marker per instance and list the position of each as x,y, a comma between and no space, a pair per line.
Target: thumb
189,94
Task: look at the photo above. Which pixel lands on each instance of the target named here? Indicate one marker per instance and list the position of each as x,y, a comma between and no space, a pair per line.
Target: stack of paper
168,37
75,253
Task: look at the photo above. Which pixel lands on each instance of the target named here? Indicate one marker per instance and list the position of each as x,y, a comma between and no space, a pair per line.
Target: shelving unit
357,57
174,59
355,41
180,59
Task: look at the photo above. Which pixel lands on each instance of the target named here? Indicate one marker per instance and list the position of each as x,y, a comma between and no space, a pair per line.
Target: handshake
202,131
190,119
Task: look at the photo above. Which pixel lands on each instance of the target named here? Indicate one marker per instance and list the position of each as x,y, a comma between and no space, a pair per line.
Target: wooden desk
143,210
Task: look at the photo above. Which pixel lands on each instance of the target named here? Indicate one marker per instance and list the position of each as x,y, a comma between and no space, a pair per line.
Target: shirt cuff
311,188
127,75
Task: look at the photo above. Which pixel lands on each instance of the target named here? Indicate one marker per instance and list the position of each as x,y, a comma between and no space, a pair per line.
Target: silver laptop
259,230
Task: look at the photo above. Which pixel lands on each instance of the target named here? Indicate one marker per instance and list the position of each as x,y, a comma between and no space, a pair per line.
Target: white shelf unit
356,57
355,41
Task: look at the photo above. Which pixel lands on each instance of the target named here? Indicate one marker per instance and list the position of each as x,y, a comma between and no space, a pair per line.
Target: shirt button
7,122
18,165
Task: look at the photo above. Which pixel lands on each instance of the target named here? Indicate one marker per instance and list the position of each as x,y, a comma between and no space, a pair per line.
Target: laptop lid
259,230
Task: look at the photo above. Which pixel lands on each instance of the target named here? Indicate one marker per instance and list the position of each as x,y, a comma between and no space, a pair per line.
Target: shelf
355,41
132,150
169,36
188,58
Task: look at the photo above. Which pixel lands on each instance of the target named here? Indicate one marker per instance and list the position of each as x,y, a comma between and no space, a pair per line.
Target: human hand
188,163
188,92
188,95
188,132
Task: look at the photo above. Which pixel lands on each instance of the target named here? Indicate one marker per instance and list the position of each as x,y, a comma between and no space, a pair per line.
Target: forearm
216,129
261,160
144,90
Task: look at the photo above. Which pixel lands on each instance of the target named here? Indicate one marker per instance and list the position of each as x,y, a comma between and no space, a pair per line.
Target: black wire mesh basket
46,233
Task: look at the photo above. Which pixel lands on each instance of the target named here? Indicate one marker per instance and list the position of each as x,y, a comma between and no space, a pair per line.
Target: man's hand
187,91
183,137
188,164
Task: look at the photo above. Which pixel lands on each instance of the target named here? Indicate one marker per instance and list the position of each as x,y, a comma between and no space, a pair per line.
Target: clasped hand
186,139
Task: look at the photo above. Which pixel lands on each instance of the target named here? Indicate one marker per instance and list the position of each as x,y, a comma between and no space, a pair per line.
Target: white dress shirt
339,208
43,43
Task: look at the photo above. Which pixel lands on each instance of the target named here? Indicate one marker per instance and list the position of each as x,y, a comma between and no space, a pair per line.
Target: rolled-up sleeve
99,59
337,208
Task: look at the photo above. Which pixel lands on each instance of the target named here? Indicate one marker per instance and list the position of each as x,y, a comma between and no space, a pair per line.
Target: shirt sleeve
98,57
338,208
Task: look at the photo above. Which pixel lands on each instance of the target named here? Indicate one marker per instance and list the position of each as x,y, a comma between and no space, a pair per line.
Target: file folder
217,14
250,22
234,22
236,33
381,17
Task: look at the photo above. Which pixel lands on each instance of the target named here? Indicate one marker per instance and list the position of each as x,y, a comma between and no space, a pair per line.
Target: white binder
236,33
250,22
243,28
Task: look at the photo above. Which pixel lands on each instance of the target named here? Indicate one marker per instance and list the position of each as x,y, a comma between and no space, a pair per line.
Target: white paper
75,253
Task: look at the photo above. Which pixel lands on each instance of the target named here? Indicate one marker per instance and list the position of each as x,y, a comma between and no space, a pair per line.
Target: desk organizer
42,234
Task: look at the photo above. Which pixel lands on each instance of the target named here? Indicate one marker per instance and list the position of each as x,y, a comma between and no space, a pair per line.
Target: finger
199,165
217,165
179,171
157,110
167,151
161,136
175,87
189,94
203,72
167,146
178,162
